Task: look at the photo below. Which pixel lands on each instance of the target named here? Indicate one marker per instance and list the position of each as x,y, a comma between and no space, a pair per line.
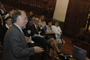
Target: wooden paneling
76,17
39,7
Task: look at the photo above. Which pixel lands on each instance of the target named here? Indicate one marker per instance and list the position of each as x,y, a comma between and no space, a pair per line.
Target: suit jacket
3,13
33,30
15,46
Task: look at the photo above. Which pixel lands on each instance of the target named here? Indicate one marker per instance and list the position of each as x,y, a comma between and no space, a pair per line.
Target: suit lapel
34,27
24,40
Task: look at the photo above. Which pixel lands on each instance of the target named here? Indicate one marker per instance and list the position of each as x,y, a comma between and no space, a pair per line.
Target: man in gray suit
15,44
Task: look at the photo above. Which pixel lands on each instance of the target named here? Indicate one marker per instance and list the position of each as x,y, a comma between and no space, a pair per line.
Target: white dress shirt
2,11
56,30
19,27
42,23
7,26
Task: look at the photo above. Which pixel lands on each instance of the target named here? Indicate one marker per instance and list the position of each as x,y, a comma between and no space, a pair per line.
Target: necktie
36,28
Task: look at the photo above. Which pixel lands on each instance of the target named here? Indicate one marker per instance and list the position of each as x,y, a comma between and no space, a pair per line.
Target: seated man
37,36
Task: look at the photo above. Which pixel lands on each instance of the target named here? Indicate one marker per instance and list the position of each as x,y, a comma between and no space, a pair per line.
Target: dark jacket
15,46
3,30
33,30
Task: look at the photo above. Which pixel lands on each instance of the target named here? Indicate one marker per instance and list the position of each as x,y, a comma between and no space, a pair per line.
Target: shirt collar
18,27
35,25
7,26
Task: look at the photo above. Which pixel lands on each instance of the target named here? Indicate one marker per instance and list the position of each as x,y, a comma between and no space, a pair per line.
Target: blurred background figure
4,29
30,15
41,21
58,32
2,10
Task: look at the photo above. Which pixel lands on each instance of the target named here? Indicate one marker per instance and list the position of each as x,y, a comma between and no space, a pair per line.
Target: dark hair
15,15
32,16
12,9
55,22
31,11
48,21
8,18
42,15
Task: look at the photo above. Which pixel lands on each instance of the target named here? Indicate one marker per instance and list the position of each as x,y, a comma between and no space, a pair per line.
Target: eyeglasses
36,20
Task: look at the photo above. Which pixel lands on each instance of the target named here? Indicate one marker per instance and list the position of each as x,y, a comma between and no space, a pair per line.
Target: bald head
36,21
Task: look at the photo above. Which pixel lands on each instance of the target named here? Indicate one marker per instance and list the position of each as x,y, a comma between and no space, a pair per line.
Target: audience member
9,14
41,21
29,24
30,15
15,44
4,29
37,33
58,32
50,36
3,13
31,21
2,10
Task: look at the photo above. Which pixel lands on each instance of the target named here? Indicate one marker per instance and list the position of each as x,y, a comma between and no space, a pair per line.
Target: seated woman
48,32
58,32
4,29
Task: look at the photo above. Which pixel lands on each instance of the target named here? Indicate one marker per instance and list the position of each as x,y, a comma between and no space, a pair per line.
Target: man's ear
18,19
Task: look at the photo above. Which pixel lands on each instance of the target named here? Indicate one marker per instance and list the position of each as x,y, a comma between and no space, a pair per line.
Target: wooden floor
68,48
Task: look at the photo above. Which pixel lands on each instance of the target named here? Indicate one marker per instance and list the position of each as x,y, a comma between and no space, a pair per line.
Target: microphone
29,31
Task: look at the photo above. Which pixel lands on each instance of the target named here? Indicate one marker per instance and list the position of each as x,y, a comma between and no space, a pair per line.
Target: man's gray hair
16,15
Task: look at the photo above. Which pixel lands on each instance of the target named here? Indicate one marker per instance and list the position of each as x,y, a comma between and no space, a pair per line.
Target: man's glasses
36,20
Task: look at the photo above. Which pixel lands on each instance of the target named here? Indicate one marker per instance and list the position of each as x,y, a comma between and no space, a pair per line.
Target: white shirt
2,11
43,23
35,26
19,27
56,30
7,26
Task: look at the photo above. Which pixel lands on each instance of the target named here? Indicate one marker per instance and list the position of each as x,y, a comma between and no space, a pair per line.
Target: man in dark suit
36,28
15,44
37,32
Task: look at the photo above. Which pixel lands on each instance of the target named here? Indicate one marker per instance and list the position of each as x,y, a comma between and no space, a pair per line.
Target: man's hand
38,49
40,31
28,39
